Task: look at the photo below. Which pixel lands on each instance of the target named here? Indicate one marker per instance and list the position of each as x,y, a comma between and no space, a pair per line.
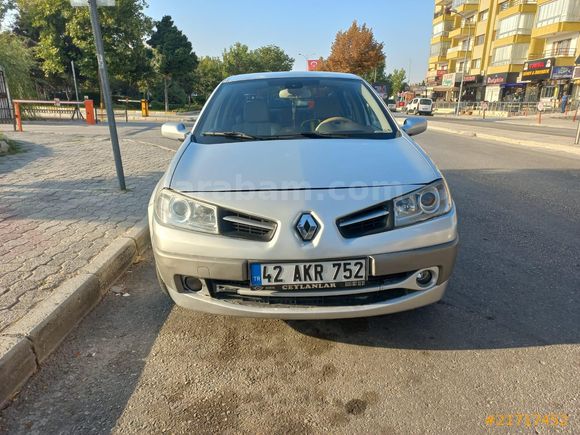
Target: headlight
422,204
177,210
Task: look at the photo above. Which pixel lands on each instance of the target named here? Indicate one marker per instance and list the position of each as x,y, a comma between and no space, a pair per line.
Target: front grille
317,301
369,221
241,225
227,291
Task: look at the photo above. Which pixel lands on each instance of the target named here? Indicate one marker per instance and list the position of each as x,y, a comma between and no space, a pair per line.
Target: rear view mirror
174,130
413,126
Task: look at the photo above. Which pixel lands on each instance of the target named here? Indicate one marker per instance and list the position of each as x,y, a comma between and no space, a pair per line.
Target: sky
302,26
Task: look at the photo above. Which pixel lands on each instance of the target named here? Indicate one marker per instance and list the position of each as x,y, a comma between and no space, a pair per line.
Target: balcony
513,7
457,52
512,3
438,57
465,5
555,17
559,52
564,56
462,32
571,24
504,62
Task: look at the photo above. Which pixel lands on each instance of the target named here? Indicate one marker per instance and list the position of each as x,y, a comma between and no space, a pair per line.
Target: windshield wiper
232,134
313,134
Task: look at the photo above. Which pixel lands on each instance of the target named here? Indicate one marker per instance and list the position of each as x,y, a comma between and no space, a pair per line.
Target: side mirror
413,126
174,130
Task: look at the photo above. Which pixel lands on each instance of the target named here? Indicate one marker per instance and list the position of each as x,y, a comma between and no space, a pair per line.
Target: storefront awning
444,88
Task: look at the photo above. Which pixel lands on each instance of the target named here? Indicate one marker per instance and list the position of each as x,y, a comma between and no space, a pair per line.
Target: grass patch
13,146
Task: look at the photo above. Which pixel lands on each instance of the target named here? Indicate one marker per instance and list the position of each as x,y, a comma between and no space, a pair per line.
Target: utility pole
104,77
464,58
72,64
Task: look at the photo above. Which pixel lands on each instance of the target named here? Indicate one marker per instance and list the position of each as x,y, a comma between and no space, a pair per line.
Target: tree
239,59
378,74
5,7
209,73
355,51
174,56
62,33
397,79
273,58
17,60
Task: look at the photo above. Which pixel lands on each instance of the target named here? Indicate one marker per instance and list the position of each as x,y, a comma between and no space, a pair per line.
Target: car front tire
162,284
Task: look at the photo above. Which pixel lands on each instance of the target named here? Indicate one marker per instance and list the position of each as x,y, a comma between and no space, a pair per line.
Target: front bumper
392,289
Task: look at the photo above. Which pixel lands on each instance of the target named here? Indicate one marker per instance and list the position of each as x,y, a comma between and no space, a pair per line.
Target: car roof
292,75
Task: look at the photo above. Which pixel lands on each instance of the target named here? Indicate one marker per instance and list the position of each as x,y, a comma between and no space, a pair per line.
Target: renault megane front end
297,196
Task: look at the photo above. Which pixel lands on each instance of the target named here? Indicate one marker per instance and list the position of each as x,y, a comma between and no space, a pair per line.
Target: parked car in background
392,104
420,106
297,196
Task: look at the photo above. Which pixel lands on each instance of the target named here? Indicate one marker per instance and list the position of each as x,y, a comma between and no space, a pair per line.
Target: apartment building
505,50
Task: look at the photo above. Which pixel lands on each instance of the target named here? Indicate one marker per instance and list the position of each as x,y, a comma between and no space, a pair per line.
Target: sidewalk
61,206
558,120
534,139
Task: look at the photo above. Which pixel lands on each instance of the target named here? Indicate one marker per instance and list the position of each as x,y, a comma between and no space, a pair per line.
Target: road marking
150,143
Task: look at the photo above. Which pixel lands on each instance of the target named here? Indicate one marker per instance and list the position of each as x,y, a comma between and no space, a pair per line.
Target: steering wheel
336,123
309,124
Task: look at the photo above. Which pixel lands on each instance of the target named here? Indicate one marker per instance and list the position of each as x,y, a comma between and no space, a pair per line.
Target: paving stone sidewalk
60,205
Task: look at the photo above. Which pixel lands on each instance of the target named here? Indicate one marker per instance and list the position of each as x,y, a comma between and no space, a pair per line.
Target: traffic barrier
54,104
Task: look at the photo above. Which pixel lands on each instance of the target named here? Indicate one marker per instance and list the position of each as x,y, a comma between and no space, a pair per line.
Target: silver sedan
297,196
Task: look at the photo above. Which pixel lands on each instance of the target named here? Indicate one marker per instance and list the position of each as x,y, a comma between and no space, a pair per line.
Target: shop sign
471,79
562,72
496,79
448,80
441,72
539,69
576,74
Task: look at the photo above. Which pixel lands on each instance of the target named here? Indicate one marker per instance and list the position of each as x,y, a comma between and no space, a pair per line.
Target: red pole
90,112
17,116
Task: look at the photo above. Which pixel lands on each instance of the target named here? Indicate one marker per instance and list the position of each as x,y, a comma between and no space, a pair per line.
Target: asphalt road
504,340
501,124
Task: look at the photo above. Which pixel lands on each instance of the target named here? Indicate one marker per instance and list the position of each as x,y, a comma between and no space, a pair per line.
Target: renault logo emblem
307,227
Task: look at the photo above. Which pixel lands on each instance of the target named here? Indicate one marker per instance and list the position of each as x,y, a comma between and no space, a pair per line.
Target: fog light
424,277
192,284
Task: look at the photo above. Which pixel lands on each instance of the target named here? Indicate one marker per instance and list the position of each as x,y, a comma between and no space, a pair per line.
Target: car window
288,108
425,101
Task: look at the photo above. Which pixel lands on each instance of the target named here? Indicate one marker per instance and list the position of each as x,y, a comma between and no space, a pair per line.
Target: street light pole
104,77
305,58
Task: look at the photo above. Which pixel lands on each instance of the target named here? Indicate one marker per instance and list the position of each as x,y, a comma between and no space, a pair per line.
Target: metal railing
558,52
31,113
508,108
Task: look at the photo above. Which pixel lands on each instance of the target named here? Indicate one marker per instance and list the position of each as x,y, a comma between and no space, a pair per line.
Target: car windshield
293,108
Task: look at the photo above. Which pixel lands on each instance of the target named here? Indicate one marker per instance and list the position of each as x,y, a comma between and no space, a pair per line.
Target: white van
420,106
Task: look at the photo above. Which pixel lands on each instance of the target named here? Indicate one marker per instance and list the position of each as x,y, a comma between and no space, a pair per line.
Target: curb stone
25,345
17,364
570,149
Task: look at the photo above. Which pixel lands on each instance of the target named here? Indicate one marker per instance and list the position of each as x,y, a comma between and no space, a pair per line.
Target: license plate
311,275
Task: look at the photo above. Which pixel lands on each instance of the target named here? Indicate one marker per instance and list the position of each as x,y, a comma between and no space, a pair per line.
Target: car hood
301,164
